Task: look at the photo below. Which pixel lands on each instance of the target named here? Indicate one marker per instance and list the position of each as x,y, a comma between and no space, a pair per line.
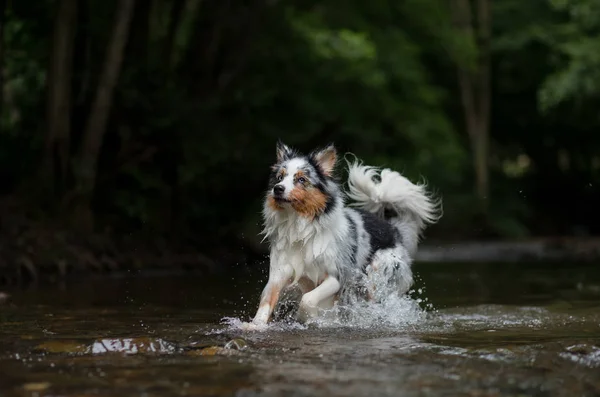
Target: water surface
472,330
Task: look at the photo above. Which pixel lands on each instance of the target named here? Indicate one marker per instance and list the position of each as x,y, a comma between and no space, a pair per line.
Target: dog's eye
279,178
301,179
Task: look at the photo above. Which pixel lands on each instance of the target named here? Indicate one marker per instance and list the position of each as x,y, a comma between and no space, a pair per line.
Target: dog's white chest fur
307,245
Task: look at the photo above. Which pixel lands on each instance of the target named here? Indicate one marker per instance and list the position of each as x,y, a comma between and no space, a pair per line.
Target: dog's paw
253,327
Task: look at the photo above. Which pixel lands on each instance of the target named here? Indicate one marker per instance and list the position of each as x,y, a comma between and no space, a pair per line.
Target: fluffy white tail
376,191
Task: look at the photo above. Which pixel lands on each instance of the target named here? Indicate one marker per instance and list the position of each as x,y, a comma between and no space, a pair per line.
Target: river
466,330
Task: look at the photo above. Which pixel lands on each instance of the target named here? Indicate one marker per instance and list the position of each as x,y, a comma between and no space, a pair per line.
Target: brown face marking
308,201
274,204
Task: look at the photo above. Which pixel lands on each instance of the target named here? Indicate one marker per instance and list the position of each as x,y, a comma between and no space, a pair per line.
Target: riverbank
537,249
34,251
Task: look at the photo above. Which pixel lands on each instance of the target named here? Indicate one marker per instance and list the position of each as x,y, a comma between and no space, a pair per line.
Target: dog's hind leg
319,298
388,272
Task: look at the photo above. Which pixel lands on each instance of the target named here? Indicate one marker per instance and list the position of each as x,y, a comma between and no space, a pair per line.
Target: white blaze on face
291,168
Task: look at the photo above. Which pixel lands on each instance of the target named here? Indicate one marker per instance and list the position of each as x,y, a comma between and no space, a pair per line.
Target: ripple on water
491,317
583,354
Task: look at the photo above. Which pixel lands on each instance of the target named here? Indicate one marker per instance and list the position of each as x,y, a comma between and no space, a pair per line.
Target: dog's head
300,183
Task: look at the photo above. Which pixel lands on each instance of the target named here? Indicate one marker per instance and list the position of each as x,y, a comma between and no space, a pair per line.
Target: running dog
331,250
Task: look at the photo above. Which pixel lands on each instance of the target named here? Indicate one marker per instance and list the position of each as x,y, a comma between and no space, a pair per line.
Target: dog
332,251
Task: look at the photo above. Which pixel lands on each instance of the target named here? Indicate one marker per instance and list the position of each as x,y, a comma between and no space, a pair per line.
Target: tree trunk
83,65
176,15
139,36
481,164
482,145
56,156
96,125
475,91
184,32
2,24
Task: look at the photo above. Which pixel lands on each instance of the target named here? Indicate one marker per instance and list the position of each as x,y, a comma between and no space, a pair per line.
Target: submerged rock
132,346
63,346
233,347
584,354
110,345
36,386
211,351
142,345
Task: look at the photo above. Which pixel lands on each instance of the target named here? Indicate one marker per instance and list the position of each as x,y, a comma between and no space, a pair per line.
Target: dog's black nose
278,190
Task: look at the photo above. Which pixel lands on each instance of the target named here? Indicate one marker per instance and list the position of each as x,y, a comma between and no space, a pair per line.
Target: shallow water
491,330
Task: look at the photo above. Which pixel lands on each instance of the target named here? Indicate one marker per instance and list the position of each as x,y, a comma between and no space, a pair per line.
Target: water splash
392,311
237,324
389,310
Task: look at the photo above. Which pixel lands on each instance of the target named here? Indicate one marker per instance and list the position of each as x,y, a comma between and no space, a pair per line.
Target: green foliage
204,94
24,84
576,42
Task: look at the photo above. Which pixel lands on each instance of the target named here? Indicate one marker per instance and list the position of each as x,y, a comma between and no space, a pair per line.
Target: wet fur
332,251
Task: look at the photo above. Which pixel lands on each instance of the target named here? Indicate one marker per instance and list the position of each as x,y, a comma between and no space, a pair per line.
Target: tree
58,136
2,29
87,162
576,43
475,88
154,108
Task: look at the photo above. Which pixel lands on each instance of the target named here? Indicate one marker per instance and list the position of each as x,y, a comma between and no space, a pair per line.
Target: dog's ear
326,159
284,152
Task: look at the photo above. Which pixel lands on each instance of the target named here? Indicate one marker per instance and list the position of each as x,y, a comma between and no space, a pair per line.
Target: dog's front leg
279,278
311,301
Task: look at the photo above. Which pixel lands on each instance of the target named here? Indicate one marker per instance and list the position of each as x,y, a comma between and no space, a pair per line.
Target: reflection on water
495,330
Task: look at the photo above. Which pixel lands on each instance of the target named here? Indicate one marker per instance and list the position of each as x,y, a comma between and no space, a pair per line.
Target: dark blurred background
139,134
